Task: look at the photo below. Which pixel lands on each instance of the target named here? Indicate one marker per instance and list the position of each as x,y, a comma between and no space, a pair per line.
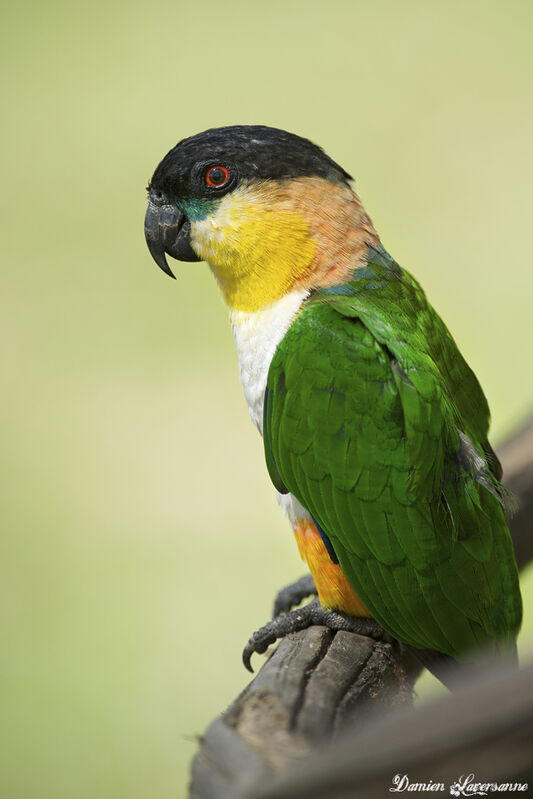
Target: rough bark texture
485,729
315,684
516,455
281,738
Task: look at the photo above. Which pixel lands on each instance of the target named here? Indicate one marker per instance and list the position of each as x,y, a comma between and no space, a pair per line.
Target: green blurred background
141,539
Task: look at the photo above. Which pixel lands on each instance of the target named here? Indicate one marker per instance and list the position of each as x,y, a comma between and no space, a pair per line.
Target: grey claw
291,596
247,657
296,620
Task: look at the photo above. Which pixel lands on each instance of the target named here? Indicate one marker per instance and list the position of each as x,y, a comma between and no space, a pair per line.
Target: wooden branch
318,684
485,729
516,456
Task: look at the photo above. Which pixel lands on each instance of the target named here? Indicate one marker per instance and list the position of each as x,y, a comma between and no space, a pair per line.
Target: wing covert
360,426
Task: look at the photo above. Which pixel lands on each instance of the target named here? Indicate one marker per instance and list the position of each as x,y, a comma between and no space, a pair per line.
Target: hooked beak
167,230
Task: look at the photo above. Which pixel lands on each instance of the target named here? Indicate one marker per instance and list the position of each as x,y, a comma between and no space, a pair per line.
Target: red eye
217,176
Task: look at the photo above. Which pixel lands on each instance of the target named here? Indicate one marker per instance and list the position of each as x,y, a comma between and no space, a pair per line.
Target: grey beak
167,231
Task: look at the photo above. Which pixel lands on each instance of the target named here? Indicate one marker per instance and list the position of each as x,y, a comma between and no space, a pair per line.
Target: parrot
374,427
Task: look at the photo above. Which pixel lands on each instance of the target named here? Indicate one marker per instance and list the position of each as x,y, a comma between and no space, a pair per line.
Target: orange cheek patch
334,590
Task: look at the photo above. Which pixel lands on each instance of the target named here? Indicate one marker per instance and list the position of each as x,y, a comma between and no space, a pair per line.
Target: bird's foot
291,596
296,620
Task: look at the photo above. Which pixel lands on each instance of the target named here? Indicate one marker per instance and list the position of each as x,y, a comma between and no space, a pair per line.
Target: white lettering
466,785
401,783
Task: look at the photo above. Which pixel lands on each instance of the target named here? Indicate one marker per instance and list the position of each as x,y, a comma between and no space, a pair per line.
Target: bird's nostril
157,196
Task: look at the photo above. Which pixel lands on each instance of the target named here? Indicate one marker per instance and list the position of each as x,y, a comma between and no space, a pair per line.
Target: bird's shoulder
400,323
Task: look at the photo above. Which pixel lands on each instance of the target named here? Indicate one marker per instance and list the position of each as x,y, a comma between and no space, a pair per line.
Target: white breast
257,335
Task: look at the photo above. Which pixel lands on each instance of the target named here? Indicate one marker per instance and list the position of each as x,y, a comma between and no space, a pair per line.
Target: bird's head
269,211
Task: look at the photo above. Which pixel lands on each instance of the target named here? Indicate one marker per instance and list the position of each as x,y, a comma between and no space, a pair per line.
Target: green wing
377,425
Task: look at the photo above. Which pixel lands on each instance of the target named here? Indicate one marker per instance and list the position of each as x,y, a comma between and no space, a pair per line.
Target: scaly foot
291,596
296,620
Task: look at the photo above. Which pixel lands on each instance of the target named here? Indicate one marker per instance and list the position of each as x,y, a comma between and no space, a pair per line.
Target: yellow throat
268,238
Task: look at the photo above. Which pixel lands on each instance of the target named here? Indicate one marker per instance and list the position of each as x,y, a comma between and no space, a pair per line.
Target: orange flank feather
334,590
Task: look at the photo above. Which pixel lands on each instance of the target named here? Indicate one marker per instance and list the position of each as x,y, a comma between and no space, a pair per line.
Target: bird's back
375,422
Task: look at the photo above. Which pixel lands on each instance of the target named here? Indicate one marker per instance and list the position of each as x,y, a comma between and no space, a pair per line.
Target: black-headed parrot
374,426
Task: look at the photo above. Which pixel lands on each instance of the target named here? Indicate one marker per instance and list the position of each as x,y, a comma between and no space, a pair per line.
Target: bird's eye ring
217,176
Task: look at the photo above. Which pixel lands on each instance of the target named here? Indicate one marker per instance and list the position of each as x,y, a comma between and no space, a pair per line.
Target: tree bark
330,716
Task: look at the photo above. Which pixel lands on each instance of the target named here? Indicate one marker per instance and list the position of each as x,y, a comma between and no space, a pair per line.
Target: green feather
376,424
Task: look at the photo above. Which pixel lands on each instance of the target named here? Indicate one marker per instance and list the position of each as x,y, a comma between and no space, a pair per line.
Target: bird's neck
268,240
